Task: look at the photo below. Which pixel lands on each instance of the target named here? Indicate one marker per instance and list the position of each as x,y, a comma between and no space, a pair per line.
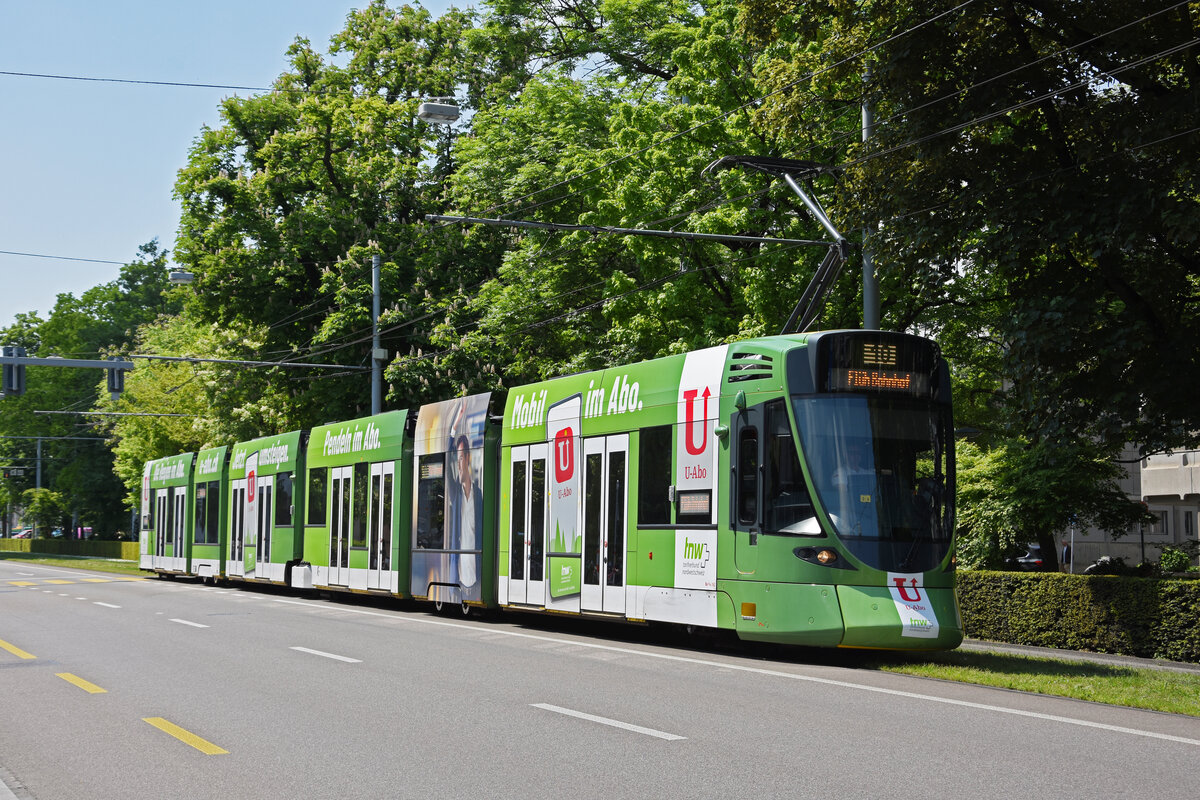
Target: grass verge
1133,687
76,562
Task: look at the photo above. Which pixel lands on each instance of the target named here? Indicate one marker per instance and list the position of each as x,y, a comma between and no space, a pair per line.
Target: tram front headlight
825,556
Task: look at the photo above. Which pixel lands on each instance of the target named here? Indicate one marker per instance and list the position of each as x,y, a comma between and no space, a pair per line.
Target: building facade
1169,485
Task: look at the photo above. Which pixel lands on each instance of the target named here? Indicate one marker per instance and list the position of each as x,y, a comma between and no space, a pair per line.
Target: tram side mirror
739,400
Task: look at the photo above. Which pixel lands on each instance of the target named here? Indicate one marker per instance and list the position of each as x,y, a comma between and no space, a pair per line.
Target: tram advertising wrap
795,489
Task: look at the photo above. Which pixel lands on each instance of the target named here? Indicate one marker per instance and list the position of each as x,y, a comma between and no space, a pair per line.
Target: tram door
264,526
379,562
339,526
527,526
162,533
605,507
178,519
234,565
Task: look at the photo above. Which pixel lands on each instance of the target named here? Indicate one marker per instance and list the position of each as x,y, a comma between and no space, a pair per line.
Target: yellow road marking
23,583
186,737
59,581
95,580
87,686
16,651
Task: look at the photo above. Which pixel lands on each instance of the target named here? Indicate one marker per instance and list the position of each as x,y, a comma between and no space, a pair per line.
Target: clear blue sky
87,168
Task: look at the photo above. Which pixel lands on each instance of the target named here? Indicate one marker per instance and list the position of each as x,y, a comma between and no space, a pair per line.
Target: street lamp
440,110
180,277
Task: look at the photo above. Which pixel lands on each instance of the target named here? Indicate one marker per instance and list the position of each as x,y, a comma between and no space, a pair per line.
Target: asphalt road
132,688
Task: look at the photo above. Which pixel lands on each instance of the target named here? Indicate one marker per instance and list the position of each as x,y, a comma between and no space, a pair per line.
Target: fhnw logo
917,617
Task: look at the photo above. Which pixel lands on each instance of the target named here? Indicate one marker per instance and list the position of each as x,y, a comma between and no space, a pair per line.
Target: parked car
24,533
1028,560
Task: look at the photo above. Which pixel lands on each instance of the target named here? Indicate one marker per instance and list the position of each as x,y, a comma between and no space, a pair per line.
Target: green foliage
1038,192
285,204
1034,188
1017,493
44,508
1145,617
1174,559
76,462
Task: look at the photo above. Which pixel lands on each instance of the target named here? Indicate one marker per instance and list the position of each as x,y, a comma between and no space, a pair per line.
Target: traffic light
116,378
14,374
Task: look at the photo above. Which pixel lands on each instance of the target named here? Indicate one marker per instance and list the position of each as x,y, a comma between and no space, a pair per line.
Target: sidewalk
1078,655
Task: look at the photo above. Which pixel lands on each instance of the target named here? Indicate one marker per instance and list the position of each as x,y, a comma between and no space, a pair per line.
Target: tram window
431,502
317,482
168,512
373,560
213,518
654,476
386,546
615,540
537,517
283,499
747,479
592,488
208,500
358,536
517,548
786,501
201,511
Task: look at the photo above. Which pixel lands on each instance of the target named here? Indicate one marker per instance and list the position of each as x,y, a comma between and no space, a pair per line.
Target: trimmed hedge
1147,617
72,547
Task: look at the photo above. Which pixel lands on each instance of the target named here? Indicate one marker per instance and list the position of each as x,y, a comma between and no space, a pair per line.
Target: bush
1147,617
1174,560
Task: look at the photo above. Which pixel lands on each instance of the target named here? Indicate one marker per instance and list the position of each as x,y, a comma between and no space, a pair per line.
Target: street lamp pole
378,354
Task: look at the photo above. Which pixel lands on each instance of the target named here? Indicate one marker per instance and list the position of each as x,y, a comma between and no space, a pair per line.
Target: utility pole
870,283
378,354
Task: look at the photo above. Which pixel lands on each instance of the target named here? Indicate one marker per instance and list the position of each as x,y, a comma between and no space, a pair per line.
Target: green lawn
76,562
1134,687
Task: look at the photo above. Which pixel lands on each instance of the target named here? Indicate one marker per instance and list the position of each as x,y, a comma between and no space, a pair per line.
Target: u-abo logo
912,583
694,438
564,455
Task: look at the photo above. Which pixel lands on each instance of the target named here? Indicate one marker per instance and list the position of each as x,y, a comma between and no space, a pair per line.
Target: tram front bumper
913,619
844,616
786,613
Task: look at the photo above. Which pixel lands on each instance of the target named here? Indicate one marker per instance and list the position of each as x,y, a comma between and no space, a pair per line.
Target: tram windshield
882,468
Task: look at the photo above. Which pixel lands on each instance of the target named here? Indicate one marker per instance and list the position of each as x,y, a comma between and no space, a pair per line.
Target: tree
76,463
1035,191
45,507
1037,179
1019,493
285,204
625,147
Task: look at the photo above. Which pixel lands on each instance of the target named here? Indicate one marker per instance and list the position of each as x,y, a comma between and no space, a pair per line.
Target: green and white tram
211,513
795,489
355,528
265,491
166,515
